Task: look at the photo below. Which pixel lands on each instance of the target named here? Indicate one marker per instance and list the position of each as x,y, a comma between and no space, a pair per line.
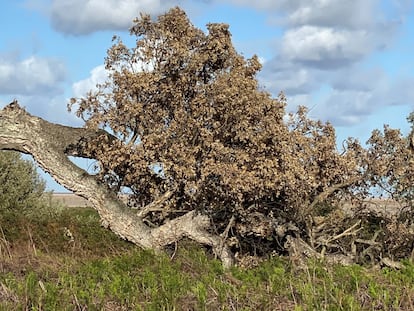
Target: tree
205,152
197,133
20,185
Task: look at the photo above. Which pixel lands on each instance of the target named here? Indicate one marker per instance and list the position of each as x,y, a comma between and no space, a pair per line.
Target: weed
95,270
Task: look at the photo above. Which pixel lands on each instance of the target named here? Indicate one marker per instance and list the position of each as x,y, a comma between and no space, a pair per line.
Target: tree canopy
195,127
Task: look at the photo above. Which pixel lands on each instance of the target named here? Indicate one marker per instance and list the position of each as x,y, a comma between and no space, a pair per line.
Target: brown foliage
196,130
390,163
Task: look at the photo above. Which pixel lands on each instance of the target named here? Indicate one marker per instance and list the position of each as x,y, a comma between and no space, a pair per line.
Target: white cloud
305,11
33,75
49,107
280,75
344,96
322,46
321,56
332,13
293,102
353,78
330,33
97,75
347,105
329,13
79,17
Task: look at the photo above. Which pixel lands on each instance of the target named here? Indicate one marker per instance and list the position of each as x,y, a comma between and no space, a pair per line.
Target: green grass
42,268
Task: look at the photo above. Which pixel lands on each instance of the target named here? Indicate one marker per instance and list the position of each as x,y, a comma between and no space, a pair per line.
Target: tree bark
50,145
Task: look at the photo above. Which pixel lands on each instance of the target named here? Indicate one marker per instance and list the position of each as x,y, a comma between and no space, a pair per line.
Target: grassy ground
66,261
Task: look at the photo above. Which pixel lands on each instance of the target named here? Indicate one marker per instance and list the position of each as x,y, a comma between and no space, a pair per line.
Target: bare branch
155,206
49,144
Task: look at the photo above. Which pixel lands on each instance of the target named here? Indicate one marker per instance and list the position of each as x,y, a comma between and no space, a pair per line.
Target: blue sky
351,62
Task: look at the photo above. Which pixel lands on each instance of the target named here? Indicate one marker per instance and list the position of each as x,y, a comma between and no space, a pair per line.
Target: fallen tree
51,144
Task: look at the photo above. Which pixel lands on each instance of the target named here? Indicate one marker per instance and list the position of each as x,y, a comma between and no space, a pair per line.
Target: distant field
385,206
71,200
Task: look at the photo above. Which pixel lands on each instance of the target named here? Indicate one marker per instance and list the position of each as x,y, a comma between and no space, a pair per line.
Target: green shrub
20,185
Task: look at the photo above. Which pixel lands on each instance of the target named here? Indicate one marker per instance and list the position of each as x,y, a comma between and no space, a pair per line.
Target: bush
20,185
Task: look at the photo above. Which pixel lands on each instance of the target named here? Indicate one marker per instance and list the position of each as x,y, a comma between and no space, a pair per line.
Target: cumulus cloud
322,53
79,17
98,75
31,76
361,94
323,45
361,80
352,14
326,47
331,33
328,13
345,106
278,75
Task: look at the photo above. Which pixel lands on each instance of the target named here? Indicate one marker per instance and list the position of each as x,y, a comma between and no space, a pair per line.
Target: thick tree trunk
51,144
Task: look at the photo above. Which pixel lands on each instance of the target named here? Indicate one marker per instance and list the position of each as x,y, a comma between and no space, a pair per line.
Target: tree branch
50,144
327,192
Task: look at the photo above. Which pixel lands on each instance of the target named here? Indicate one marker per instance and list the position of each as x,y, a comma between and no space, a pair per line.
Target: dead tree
50,145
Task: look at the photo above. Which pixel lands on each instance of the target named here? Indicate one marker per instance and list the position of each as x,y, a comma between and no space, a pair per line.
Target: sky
351,62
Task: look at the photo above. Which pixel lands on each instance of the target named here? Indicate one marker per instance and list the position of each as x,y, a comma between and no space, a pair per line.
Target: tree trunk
50,145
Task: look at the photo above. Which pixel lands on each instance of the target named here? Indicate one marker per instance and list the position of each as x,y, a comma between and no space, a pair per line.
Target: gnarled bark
50,145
